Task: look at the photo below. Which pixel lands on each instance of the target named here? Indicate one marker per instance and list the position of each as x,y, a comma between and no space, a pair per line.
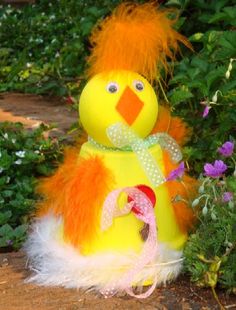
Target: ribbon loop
121,135
167,143
149,251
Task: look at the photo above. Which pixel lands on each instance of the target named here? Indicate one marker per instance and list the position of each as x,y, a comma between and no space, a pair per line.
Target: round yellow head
117,97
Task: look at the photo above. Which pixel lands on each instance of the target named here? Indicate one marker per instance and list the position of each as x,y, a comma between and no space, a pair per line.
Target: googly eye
112,87
138,85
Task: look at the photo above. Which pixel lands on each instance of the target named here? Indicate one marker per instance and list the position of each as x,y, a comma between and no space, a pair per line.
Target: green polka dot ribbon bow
123,137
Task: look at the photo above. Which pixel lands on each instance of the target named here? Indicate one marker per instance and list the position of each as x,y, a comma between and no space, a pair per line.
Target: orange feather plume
77,194
174,126
187,190
137,38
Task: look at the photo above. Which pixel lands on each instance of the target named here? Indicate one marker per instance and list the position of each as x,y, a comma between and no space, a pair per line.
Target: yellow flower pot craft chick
115,215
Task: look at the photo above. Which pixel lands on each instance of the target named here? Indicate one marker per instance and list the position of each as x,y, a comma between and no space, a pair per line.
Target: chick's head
117,97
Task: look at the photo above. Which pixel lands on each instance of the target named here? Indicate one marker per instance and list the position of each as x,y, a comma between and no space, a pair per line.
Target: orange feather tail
181,193
174,126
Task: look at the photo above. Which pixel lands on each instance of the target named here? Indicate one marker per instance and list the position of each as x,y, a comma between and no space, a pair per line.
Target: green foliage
43,46
206,77
24,156
210,254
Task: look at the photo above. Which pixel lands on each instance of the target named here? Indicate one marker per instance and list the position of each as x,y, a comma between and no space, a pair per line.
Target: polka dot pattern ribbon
167,143
149,251
121,136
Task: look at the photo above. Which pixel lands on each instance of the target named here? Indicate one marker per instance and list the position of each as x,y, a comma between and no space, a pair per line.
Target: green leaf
196,37
179,96
86,28
20,230
5,51
174,3
201,64
231,183
7,193
6,230
221,16
4,217
214,75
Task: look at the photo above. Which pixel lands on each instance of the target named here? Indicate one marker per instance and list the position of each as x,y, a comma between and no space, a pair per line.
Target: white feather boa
57,263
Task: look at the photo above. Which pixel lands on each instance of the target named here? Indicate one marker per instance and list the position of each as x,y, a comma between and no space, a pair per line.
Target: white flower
36,152
1,169
28,65
8,180
18,162
52,17
20,154
13,141
5,136
39,40
57,55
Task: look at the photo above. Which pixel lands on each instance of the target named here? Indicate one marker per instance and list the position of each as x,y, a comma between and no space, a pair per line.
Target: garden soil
17,294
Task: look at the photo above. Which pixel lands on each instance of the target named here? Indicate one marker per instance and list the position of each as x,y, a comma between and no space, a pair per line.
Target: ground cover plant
24,156
50,58
44,45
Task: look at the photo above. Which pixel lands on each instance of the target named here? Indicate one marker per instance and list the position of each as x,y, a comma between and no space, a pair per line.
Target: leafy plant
44,45
24,156
204,81
202,91
210,254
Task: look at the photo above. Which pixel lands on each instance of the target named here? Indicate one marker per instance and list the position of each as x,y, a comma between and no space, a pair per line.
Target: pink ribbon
149,251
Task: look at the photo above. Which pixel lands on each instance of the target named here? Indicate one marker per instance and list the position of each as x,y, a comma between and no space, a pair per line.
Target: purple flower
215,170
176,173
226,149
206,111
9,242
227,196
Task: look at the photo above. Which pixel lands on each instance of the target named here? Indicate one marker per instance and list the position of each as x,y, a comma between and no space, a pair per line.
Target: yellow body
124,234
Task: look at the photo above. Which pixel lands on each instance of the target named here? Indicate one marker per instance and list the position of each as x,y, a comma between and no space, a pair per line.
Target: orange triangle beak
129,105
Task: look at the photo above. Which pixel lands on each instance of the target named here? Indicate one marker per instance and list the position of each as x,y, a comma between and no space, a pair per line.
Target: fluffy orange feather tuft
187,190
77,192
135,38
174,126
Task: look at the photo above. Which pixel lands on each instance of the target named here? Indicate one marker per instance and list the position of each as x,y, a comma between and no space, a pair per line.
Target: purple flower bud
176,173
226,149
227,196
206,111
215,170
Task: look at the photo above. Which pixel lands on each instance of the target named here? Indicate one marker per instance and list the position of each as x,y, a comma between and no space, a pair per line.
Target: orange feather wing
77,192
